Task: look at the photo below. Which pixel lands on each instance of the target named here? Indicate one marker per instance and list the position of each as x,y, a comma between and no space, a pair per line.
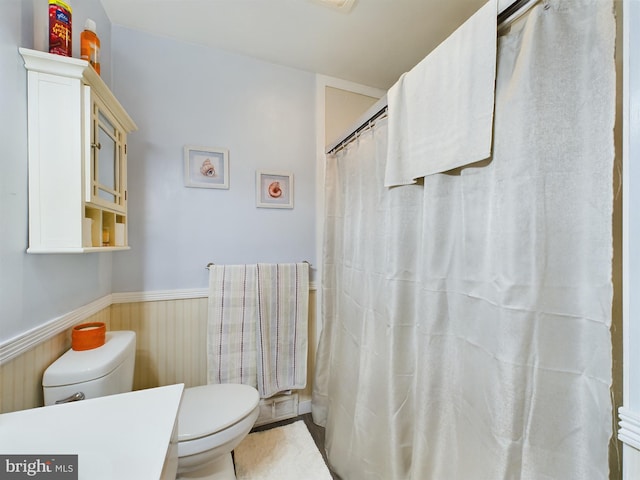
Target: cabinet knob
97,145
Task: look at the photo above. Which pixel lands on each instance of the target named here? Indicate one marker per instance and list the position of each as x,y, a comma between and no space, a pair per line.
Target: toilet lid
208,409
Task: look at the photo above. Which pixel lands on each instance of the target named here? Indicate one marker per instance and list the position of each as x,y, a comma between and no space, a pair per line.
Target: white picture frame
274,189
206,167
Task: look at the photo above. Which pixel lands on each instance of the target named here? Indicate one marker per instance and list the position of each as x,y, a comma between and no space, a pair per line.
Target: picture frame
206,167
274,189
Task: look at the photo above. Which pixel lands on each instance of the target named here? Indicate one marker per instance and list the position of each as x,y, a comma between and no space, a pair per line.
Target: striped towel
231,326
283,307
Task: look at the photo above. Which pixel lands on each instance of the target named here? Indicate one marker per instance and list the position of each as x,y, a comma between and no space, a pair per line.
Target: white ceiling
373,45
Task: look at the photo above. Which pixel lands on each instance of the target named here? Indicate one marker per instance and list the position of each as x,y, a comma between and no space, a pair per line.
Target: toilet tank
98,372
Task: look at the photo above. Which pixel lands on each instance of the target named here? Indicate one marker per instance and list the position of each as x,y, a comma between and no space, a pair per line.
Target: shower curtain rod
379,110
375,112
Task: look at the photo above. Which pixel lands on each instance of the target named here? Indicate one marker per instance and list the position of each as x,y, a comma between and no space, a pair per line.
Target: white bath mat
282,453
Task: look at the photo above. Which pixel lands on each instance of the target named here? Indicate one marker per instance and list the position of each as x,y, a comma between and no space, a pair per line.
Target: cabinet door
108,158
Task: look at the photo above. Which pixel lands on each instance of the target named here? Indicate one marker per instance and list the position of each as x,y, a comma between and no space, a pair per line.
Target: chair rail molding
163,295
24,342
14,347
159,295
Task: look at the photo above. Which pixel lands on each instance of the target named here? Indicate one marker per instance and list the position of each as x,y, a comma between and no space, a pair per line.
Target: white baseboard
304,406
629,432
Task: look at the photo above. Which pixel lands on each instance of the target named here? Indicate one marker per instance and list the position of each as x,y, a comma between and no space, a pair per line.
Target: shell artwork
275,191
207,169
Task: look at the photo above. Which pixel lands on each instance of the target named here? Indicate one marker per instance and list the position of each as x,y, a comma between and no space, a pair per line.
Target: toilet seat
228,436
208,409
212,415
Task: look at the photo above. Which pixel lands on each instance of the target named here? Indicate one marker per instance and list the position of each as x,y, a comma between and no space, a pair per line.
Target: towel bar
211,264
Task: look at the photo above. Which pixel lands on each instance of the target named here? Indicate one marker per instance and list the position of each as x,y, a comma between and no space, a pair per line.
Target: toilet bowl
212,419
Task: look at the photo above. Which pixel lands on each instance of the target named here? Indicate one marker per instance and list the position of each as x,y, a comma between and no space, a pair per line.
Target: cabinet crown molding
43,62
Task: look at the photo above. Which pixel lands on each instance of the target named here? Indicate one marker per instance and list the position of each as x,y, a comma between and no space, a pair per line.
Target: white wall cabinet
77,158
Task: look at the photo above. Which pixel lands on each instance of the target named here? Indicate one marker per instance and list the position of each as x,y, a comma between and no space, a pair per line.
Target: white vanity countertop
124,436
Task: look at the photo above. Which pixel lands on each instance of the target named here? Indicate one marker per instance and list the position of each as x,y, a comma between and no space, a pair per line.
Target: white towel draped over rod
379,110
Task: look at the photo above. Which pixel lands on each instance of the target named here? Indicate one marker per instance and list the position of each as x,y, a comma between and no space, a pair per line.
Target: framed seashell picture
274,189
206,167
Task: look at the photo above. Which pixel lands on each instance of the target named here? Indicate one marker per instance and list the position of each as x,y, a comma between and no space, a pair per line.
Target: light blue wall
181,94
36,288
178,94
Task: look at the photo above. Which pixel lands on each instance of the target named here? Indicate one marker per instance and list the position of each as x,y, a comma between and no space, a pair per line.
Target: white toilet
212,421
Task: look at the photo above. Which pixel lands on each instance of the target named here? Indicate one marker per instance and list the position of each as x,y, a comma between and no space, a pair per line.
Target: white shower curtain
466,320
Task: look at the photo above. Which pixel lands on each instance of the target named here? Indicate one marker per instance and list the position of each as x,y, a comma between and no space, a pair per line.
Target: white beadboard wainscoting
171,344
170,340
24,359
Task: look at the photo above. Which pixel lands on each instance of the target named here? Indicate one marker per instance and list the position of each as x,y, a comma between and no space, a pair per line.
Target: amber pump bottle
90,45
